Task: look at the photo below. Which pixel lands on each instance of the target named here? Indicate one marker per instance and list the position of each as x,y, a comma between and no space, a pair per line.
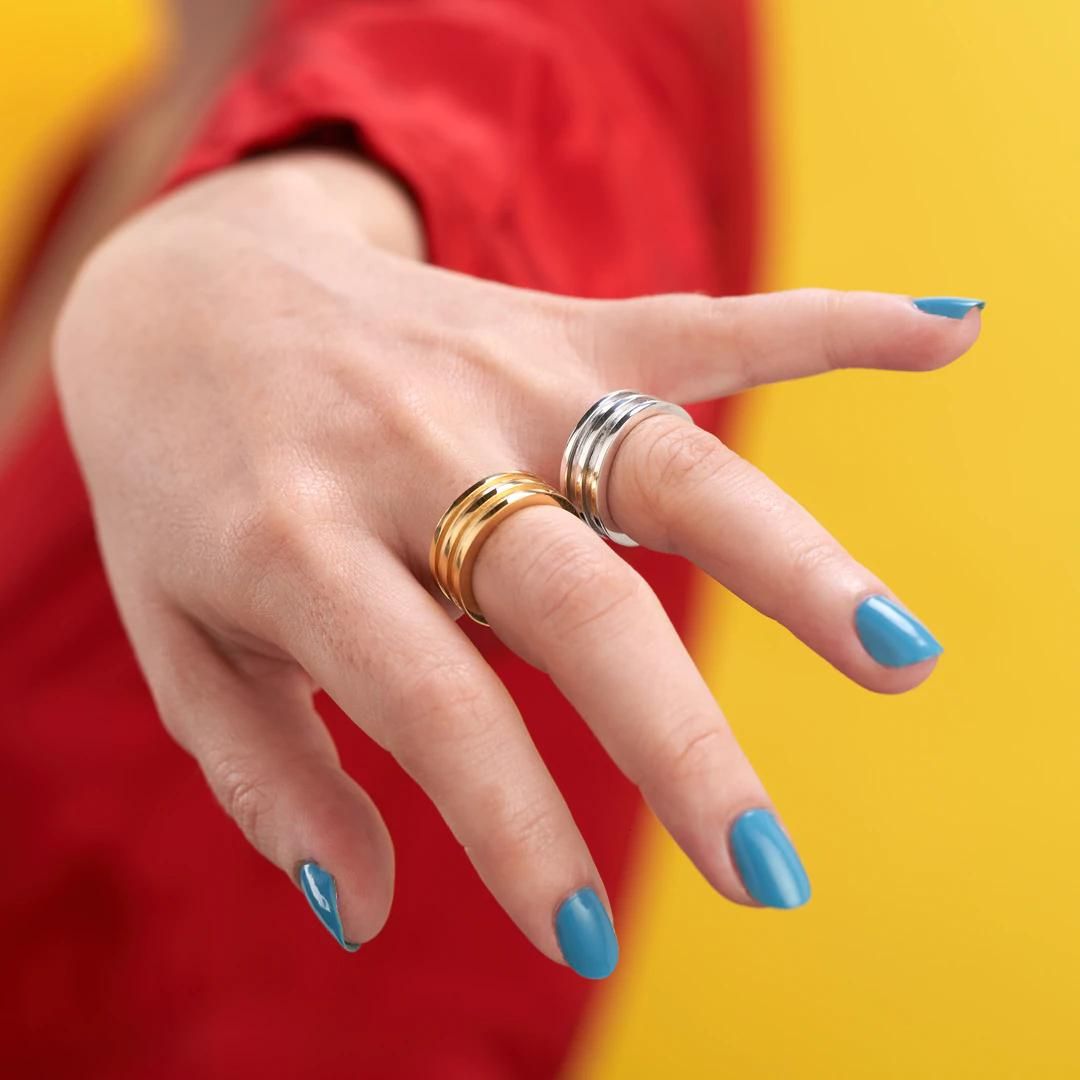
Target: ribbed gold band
470,520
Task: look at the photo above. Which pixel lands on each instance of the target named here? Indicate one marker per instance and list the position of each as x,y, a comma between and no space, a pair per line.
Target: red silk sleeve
547,144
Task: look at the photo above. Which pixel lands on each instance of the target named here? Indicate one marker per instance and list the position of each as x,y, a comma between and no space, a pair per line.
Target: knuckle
441,708
833,319
278,532
813,557
684,458
246,796
692,752
678,462
281,542
578,585
523,830
438,690
533,827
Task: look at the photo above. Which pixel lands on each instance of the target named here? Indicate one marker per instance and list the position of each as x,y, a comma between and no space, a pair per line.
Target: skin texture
273,399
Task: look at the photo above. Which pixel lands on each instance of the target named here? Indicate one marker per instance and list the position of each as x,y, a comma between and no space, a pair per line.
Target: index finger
694,348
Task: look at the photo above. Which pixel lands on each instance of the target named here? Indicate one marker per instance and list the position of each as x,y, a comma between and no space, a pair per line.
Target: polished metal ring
591,449
470,520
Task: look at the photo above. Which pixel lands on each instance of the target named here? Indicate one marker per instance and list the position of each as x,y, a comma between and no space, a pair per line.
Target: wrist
372,200
357,196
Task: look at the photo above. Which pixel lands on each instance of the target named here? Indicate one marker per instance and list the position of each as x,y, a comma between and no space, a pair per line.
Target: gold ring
470,520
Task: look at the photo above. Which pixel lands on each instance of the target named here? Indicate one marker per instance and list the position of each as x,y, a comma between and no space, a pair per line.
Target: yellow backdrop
920,146
930,147
64,66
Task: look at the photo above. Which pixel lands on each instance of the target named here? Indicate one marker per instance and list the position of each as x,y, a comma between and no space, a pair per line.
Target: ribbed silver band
590,452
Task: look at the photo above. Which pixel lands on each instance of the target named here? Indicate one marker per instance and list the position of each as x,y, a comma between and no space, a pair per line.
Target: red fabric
599,149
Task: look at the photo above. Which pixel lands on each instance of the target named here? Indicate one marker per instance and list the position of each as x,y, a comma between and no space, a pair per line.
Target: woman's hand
273,401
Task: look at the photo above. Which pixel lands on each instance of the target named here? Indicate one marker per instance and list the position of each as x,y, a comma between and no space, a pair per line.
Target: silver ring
591,448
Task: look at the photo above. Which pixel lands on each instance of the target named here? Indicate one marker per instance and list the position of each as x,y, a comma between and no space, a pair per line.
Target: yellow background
64,66
929,147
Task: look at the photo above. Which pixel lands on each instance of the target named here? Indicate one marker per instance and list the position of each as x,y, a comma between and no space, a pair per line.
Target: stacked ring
591,449
470,520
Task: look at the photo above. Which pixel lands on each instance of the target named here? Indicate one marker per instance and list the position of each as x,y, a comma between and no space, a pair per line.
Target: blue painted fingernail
768,863
891,635
952,307
586,936
321,893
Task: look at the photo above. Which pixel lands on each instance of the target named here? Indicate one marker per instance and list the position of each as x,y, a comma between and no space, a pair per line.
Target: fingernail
586,936
891,635
767,862
321,893
952,307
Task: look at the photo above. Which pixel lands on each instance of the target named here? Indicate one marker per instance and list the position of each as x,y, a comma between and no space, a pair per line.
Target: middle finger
676,488
568,604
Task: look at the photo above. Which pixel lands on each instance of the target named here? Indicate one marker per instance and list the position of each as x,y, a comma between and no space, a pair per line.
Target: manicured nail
586,936
891,635
321,893
952,307
768,863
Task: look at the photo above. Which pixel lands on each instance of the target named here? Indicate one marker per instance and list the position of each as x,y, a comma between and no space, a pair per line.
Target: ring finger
563,600
424,693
